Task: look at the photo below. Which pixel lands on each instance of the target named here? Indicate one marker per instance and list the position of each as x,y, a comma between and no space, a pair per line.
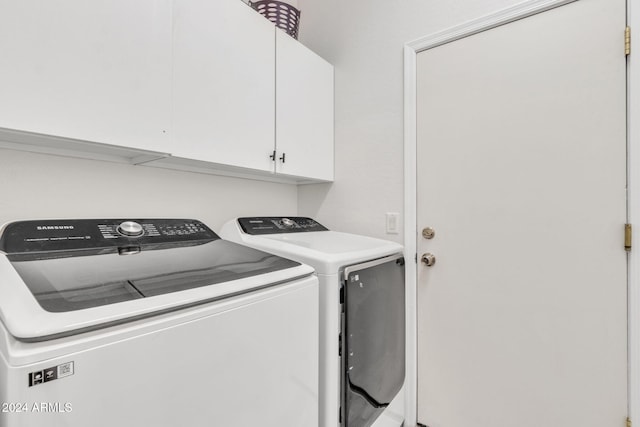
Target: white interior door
522,174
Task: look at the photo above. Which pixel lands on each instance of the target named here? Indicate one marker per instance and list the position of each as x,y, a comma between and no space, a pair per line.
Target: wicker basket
283,15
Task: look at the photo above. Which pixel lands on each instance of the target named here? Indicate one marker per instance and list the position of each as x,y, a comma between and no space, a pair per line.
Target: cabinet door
95,70
304,111
223,83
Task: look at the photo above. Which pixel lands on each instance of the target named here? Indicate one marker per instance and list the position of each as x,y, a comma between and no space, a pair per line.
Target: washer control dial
130,229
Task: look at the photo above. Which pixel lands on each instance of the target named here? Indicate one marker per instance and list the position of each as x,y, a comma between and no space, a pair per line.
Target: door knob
428,259
428,233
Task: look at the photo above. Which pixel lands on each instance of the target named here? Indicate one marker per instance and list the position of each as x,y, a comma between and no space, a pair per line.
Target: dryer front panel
373,337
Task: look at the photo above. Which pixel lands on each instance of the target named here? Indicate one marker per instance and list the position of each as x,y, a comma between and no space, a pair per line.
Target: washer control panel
79,234
279,224
168,229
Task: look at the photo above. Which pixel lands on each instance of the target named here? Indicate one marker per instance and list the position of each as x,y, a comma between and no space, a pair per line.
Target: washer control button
288,222
130,229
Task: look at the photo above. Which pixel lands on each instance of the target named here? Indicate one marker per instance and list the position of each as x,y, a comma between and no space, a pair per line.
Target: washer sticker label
50,374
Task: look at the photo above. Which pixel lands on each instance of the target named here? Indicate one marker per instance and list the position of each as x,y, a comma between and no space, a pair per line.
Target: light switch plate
393,223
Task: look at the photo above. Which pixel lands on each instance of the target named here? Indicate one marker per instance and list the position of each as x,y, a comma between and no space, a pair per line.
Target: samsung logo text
54,227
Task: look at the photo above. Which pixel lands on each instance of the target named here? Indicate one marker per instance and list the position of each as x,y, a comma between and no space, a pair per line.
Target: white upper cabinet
206,85
304,111
96,70
223,84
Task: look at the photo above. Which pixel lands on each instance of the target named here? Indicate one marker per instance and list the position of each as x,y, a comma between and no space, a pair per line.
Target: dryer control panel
279,224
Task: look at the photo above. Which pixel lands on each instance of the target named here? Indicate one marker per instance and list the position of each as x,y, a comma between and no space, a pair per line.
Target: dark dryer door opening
373,334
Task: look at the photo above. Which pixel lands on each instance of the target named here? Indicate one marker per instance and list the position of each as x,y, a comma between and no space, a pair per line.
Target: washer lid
68,277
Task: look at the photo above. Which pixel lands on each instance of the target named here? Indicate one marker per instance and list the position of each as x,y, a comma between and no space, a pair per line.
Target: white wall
364,40
43,186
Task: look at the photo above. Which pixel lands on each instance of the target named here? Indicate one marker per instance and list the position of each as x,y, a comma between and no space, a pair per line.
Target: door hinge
627,41
627,237
628,422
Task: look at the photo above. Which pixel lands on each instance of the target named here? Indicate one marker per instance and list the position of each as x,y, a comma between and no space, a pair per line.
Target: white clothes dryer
362,314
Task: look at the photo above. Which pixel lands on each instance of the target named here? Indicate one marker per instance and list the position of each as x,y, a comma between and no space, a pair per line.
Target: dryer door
374,338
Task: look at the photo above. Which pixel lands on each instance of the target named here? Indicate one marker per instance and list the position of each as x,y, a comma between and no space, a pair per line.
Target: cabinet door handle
282,158
272,156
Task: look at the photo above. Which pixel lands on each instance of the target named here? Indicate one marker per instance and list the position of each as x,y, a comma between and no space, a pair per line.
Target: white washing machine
362,314
152,323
